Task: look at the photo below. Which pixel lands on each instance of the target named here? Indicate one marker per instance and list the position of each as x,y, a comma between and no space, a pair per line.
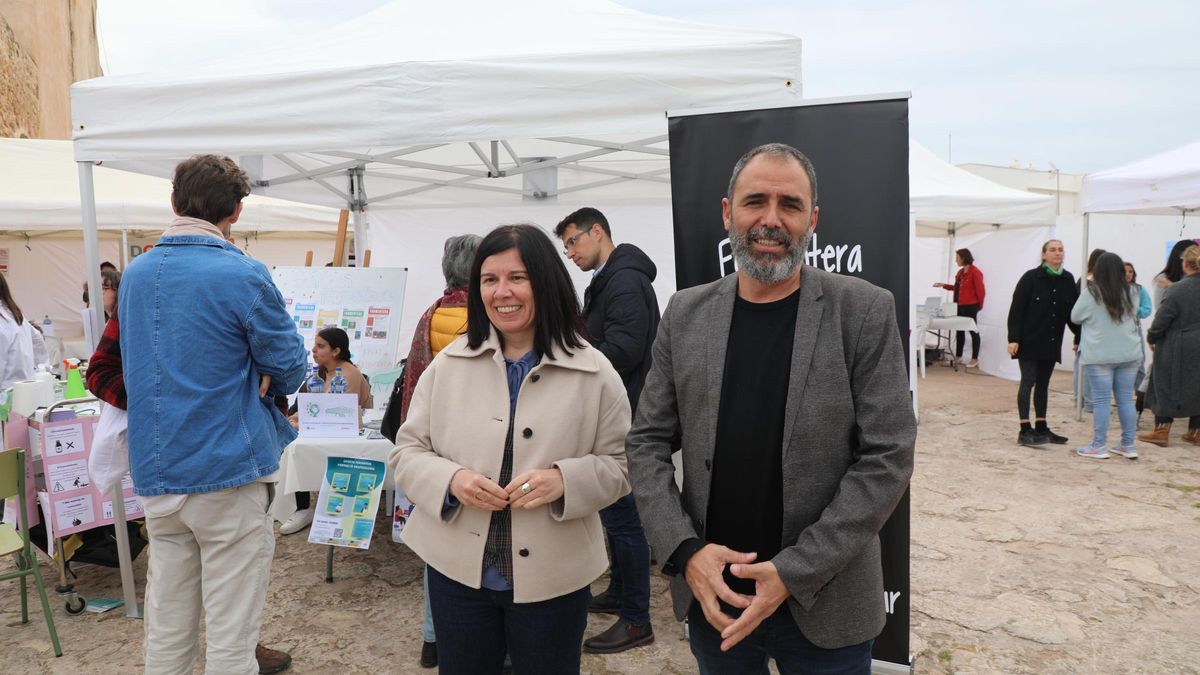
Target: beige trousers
213,551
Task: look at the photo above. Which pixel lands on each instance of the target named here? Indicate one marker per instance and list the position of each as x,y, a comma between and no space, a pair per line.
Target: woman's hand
545,486
477,491
294,420
1012,348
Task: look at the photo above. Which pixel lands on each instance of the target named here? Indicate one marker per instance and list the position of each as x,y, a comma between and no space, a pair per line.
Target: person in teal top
1110,351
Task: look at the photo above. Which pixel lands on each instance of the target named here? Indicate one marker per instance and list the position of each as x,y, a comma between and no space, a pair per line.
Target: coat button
708,464
524,553
535,377
526,432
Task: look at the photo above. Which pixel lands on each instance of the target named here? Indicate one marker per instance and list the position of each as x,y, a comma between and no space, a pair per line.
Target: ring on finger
479,495
526,488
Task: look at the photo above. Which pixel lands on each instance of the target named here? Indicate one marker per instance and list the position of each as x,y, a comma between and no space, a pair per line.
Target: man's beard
768,268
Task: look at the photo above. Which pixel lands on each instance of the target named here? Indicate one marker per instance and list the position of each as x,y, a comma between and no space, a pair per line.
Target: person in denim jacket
207,342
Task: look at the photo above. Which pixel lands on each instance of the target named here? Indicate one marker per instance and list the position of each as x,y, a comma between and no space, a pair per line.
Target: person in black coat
621,314
1041,308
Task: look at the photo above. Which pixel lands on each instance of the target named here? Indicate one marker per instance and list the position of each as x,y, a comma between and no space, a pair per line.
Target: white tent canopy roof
942,195
1167,183
410,74
39,192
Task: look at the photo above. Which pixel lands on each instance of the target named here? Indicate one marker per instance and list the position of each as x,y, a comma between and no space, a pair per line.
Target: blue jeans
476,627
777,638
427,632
630,576
1116,379
1083,388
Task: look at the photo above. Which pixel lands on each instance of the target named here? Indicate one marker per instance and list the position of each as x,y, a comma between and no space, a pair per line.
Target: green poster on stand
349,500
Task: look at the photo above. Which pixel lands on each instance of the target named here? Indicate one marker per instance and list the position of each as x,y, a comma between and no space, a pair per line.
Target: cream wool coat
572,413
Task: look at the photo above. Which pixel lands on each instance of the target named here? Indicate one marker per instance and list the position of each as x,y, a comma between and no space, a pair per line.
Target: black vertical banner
860,151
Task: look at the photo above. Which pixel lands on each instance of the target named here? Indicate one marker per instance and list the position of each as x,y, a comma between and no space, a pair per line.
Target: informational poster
348,502
328,415
75,504
365,302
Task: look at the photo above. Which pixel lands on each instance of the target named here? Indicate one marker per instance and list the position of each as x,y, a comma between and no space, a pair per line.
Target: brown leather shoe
1192,436
1159,436
271,660
620,636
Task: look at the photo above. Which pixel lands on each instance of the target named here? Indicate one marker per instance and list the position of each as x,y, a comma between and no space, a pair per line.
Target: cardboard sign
328,415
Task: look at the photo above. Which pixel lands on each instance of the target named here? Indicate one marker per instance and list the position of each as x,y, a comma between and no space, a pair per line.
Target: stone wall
46,46
20,112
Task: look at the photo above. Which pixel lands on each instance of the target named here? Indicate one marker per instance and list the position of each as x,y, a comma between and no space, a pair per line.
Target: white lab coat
22,348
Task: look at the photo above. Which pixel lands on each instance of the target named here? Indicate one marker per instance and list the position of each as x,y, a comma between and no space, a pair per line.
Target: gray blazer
847,456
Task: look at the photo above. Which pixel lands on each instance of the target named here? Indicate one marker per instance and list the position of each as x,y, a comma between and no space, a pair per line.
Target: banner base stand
888,668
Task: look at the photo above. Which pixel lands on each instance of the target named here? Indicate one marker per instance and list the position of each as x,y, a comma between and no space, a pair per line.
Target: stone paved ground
1024,561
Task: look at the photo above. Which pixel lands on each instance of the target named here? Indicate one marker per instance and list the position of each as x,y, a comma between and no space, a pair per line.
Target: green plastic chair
12,484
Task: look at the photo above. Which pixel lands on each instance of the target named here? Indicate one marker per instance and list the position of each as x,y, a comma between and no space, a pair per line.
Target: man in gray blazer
785,388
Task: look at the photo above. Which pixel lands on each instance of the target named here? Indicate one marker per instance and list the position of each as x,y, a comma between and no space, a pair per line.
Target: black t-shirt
745,506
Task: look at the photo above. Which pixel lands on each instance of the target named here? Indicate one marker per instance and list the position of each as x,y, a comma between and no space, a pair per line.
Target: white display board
366,303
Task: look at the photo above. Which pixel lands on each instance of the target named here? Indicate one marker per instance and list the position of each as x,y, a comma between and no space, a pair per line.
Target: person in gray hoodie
1110,351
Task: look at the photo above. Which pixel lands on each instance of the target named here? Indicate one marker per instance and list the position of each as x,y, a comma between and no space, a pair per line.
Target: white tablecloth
302,466
952,323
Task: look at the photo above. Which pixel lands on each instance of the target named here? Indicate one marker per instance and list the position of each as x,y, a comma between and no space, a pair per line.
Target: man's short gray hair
456,259
778,150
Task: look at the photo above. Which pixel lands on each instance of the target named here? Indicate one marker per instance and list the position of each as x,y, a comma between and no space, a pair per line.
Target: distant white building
1065,187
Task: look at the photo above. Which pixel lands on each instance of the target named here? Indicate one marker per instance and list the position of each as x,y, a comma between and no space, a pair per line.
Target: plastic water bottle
315,384
338,384
47,327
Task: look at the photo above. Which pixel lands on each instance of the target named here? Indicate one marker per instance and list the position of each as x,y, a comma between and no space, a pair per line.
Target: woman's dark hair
337,339
7,298
1108,285
1174,268
1133,272
1096,253
556,308
965,254
112,278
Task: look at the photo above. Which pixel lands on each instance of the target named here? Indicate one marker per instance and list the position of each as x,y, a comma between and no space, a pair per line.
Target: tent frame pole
1083,286
91,253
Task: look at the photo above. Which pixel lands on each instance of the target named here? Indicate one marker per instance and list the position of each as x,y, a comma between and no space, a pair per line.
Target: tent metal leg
91,251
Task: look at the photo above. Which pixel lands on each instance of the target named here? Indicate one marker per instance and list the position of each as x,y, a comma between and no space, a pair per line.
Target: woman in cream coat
514,441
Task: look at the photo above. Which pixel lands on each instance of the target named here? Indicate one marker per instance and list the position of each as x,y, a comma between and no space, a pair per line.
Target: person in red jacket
968,293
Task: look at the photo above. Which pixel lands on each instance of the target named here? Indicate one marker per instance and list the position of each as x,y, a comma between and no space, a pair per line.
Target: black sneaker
1052,437
1031,438
605,603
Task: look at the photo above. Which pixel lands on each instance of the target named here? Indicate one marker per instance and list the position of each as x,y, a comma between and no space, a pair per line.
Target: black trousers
960,338
1035,377
1193,422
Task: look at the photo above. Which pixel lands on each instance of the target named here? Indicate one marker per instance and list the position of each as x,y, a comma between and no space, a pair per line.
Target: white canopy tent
463,98
953,208
1164,184
39,193
946,200
40,223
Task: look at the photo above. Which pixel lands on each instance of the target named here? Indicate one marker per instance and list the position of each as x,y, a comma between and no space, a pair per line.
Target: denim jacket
200,322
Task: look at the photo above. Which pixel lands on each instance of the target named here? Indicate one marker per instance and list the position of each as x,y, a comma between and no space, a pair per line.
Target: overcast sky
1083,85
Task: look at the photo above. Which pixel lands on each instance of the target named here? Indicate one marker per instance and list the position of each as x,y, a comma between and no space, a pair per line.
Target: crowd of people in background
535,433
